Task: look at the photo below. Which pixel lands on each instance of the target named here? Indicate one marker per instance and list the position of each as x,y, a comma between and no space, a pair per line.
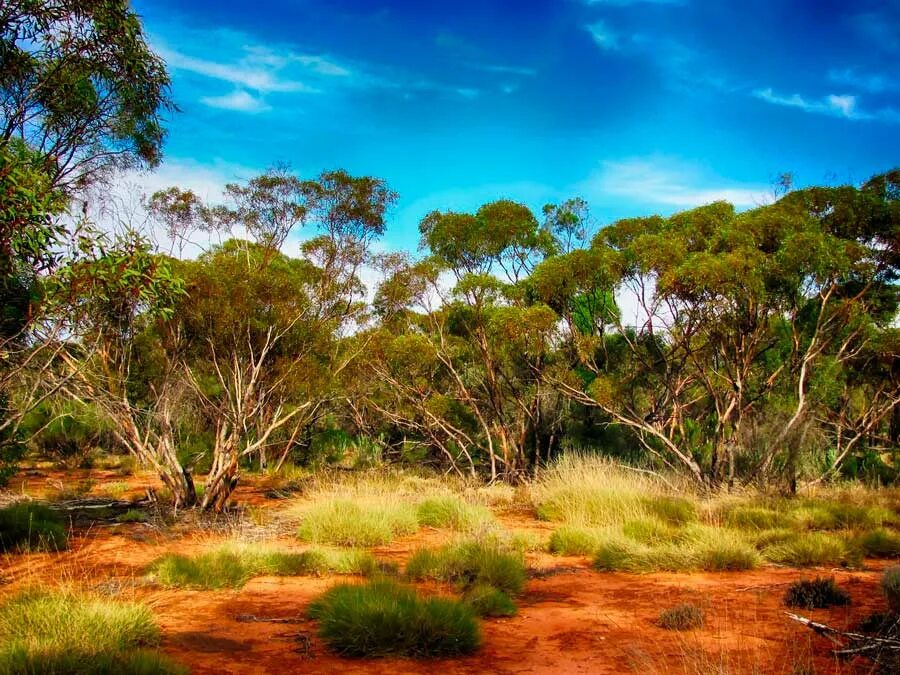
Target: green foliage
44,632
80,79
879,543
25,526
672,510
569,540
346,523
234,566
755,517
133,516
452,512
383,618
816,593
810,550
470,563
685,616
489,601
890,586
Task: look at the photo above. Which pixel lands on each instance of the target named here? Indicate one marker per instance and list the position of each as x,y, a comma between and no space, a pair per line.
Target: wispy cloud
238,100
872,82
664,181
835,105
502,70
603,35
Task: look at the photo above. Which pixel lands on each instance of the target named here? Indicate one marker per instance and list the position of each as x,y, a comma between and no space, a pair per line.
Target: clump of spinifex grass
62,632
890,586
26,526
348,523
685,616
816,593
232,566
811,549
452,512
489,601
383,618
467,563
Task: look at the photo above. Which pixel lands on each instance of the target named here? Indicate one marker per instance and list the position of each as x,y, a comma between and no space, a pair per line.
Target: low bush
234,566
63,633
489,601
685,616
347,523
470,563
133,516
383,618
890,586
31,527
574,541
817,593
452,512
879,543
810,549
756,518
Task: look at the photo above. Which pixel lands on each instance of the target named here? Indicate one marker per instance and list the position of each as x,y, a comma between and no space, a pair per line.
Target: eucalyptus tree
80,85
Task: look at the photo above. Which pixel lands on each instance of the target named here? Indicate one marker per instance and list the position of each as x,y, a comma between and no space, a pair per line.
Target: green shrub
809,550
383,618
234,566
451,512
817,593
890,586
31,527
879,543
347,523
489,601
681,617
63,633
574,541
470,563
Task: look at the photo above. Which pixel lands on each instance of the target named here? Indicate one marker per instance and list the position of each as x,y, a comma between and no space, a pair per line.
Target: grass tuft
879,543
383,618
489,601
681,617
569,540
817,593
233,566
470,563
890,586
452,512
31,527
347,523
63,633
810,550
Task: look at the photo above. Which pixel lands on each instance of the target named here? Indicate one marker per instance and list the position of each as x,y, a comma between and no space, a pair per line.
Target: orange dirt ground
571,619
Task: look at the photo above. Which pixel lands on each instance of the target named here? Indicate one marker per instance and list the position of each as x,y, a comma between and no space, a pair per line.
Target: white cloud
836,105
466,92
238,100
503,70
603,35
871,82
662,180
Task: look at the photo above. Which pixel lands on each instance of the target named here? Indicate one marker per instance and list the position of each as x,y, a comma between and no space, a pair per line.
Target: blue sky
639,106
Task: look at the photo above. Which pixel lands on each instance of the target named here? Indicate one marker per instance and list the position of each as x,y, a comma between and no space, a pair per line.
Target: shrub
809,550
63,633
31,527
681,617
489,601
383,618
817,593
890,586
470,563
879,543
346,523
574,541
234,566
133,516
451,512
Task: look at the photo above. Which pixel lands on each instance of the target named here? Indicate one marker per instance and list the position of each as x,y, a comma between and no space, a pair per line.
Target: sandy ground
571,618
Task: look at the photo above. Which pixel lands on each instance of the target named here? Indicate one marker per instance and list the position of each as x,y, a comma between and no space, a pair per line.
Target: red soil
571,619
